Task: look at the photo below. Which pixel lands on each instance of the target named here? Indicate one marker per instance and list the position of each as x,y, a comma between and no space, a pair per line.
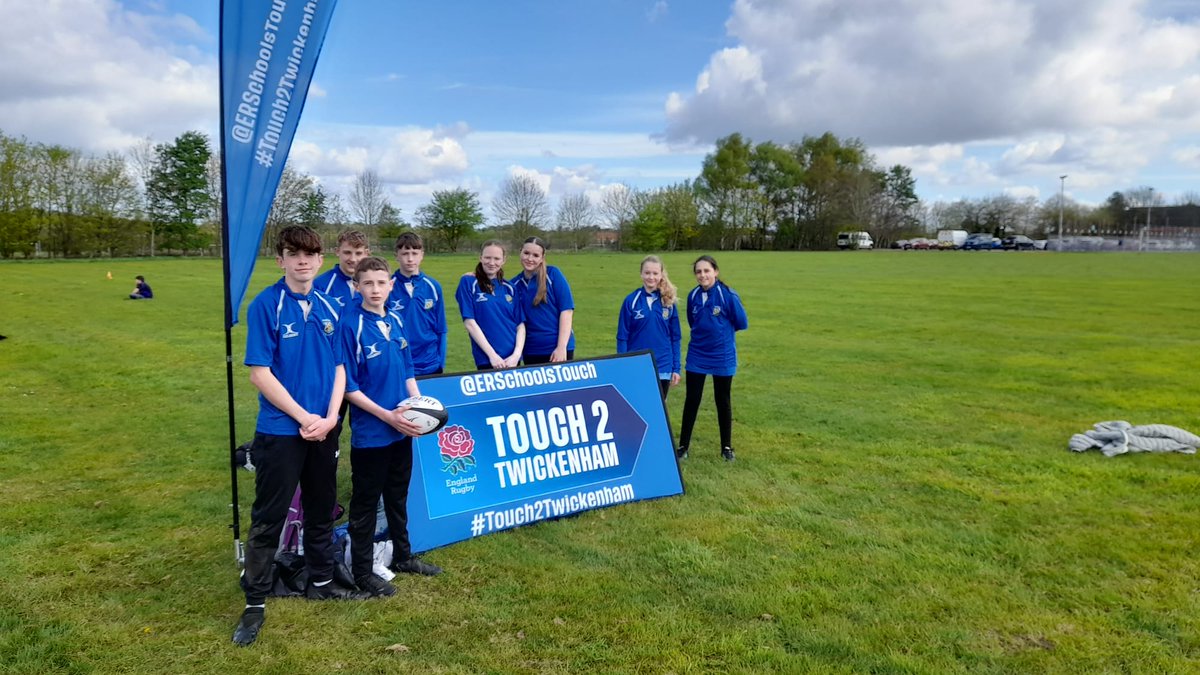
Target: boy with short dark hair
338,282
379,374
418,299
298,369
141,290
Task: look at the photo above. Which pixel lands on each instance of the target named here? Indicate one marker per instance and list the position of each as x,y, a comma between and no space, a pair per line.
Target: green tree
832,170
390,224
452,216
178,191
108,205
895,209
59,196
726,187
315,211
680,214
18,222
648,231
776,175
1117,207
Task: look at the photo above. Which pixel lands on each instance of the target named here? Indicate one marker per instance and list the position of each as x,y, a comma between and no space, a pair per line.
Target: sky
978,98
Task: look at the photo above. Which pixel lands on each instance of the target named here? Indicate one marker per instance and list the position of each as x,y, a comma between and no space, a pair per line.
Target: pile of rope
1118,438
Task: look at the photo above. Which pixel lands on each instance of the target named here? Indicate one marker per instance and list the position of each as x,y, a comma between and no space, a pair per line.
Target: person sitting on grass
141,291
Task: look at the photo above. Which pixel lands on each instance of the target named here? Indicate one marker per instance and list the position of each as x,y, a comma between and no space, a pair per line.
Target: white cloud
571,145
1188,155
917,73
985,95
96,76
400,155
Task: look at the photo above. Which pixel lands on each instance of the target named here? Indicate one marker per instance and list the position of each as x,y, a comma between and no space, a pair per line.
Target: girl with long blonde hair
649,319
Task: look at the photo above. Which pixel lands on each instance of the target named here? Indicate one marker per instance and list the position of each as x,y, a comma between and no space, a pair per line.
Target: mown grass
903,499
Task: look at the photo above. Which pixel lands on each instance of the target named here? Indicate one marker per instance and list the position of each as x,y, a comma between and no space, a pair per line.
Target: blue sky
978,98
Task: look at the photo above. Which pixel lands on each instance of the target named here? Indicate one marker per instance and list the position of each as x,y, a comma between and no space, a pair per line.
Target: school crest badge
429,304
666,314
327,326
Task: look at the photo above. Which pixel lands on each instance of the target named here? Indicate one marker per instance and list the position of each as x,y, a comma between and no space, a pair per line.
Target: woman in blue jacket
649,319
714,313
548,306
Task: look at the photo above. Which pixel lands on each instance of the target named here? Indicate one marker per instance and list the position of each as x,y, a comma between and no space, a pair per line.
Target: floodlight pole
1062,187
1149,205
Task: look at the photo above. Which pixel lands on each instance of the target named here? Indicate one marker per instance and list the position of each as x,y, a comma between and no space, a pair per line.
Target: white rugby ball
426,412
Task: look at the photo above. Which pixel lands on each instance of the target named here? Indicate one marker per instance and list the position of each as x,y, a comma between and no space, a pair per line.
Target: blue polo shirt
336,284
378,361
541,322
299,347
498,314
420,303
714,317
644,323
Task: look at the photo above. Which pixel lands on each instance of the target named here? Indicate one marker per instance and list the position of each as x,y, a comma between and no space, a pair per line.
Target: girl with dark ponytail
714,313
491,311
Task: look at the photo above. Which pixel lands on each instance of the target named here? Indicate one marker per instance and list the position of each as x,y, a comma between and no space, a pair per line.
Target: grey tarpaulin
1118,438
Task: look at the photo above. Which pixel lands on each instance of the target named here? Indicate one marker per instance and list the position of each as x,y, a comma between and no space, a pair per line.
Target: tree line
164,199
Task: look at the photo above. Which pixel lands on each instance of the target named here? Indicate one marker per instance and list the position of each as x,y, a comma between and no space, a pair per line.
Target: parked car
980,241
1017,242
922,244
902,244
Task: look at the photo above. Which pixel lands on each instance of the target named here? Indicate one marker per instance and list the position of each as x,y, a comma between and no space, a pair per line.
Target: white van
951,238
855,240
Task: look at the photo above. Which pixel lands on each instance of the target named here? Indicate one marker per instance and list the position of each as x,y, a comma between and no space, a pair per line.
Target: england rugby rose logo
456,446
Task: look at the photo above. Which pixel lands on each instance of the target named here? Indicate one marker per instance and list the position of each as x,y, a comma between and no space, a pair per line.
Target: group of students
358,336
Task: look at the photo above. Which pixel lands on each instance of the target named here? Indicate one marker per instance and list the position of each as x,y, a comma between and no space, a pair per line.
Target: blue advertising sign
539,442
268,53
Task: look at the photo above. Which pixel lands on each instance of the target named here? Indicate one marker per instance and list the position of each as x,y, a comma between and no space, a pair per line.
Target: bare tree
213,176
522,206
141,159
1188,198
619,206
1141,197
335,211
291,198
367,199
575,216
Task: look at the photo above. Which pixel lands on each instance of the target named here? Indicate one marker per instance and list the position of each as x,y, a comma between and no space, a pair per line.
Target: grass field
903,499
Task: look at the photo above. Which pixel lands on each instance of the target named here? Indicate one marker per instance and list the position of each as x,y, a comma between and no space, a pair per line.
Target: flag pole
239,553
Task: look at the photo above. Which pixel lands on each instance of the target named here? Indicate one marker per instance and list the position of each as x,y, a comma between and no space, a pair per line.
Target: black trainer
727,453
247,629
375,586
415,565
682,452
332,591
